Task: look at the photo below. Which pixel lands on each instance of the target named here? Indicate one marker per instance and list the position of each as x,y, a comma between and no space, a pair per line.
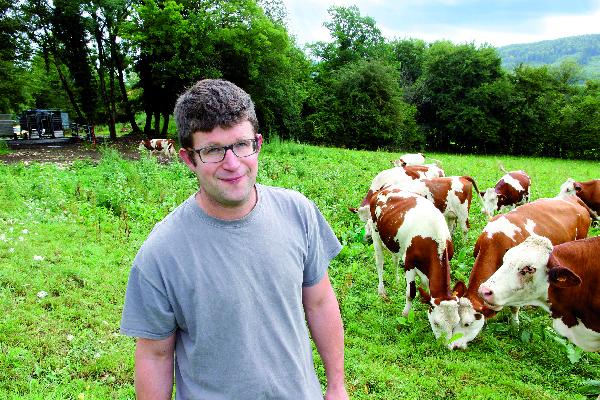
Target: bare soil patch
67,153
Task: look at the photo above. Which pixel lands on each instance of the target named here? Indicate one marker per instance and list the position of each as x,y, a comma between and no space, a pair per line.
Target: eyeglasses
215,154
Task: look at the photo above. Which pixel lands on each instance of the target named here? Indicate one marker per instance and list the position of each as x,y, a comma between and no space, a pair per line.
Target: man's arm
325,324
154,368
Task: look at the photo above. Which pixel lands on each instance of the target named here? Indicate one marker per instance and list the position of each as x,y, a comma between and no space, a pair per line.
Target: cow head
470,321
568,188
522,279
490,201
443,315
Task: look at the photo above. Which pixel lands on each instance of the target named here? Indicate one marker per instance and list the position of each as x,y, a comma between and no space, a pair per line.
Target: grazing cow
564,280
410,159
161,146
510,191
588,191
559,220
415,232
451,195
421,171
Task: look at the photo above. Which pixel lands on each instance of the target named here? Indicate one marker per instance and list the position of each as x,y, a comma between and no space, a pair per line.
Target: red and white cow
161,146
421,171
416,233
451,195
588,191
564,280
510,191
559,220
410,159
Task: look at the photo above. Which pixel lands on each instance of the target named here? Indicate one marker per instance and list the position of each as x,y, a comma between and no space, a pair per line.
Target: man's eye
212,151
242,145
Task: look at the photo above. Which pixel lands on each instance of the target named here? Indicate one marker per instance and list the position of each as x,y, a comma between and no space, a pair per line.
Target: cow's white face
490,201
443,318
522,279
471,323
567,188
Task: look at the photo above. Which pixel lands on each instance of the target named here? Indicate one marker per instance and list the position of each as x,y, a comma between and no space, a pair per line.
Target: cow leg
514,317
396,261
378,248
410,290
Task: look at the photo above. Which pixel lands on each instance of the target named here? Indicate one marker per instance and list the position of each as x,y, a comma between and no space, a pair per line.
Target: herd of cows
537,253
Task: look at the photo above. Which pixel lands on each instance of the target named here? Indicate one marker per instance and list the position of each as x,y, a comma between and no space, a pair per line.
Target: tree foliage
105,60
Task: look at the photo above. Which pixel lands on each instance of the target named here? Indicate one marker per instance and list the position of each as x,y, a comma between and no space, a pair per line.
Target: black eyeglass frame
254,142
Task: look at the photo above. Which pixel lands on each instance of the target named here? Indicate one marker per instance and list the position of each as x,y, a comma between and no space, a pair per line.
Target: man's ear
187,158
259,139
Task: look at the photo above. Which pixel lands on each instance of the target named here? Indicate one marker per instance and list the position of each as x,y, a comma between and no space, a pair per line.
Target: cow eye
527,270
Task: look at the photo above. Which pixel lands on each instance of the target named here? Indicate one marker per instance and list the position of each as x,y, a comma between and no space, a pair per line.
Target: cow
421,171
160,146
562,279
511,190
410,159
559,220
588,191
415,232
451,195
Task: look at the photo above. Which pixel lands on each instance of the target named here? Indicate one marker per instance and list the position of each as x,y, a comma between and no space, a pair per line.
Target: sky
496,22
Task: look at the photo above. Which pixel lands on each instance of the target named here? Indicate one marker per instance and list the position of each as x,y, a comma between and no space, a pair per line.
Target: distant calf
160,146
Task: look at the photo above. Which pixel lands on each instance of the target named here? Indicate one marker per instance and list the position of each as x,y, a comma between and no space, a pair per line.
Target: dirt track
67,153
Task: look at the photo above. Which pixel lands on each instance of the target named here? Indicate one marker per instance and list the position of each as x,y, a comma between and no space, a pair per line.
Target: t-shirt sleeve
323,246
147,313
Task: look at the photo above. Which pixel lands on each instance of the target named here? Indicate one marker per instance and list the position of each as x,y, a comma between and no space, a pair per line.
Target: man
219,293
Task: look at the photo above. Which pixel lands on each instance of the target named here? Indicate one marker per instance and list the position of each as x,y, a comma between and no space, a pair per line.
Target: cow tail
501,166
477,194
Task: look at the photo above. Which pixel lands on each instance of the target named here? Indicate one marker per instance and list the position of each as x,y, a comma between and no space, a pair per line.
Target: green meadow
68,236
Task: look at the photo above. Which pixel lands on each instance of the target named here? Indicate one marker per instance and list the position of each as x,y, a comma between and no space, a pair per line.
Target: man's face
226,187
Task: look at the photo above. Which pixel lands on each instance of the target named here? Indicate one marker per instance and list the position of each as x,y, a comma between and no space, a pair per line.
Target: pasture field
68,236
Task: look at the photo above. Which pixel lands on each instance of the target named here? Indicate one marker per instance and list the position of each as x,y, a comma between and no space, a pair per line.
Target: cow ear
459,289
563,277
425,297
481,194
488,312
353,209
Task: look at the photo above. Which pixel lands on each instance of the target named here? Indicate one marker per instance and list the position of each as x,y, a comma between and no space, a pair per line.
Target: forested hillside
585,50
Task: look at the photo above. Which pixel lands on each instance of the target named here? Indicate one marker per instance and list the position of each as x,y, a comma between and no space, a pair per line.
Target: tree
361,106
354,37
446,94
13,59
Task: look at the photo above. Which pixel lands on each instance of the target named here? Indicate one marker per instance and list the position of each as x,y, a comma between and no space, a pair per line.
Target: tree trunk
165,127
118,59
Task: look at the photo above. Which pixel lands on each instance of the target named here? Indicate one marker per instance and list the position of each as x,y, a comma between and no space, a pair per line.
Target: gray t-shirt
232,292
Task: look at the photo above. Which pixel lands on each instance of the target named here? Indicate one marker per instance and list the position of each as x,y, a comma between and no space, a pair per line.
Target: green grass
87,222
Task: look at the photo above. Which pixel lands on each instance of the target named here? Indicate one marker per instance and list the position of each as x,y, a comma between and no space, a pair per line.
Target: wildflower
11,250
80,396
25,231
21,238
3,237
38,258
41,294
70,337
